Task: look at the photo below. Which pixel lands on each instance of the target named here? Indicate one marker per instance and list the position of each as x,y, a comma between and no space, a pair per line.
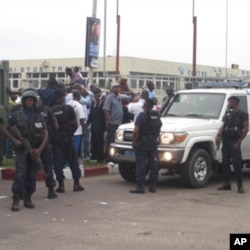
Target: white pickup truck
187,138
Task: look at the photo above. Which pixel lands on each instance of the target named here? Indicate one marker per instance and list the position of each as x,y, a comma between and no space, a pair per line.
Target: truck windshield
201,105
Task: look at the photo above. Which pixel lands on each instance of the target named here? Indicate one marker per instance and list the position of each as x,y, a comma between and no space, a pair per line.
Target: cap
234,98
116,84
123,77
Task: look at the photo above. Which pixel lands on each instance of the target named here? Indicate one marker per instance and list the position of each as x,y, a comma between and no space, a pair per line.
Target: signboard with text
92,42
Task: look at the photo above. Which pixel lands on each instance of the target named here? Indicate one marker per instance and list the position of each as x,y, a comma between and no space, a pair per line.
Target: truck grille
127,136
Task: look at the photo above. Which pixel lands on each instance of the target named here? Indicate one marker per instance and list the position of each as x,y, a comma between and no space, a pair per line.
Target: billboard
92,42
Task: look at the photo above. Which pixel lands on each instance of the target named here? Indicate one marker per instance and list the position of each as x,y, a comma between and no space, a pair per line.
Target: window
15,75
61,75
158,85
243,103
195,105
15,84
164,84
141,83
44,75
52,75
133,83
102,83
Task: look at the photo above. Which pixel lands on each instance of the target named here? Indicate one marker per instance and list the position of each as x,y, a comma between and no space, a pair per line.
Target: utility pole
194,20
104,42
226,39
117,70
194,41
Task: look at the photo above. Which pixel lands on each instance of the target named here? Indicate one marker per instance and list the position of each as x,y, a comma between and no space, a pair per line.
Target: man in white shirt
80,111
135,107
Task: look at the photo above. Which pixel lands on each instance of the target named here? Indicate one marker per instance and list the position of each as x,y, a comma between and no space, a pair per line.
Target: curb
9,173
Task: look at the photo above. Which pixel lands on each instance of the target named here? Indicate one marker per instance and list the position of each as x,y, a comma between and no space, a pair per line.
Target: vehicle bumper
125,153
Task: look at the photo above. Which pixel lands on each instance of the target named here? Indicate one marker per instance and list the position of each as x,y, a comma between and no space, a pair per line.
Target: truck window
243,103
206,105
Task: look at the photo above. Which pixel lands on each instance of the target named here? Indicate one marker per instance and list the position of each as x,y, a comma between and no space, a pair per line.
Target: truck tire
196,171
127,171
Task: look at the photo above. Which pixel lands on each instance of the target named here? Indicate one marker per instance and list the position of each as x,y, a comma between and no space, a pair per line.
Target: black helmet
29,93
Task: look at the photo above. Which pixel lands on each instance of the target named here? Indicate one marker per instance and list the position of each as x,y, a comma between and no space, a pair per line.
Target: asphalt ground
106,216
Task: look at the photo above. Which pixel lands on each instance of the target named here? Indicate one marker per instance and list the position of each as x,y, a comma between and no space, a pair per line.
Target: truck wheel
196,171
127,171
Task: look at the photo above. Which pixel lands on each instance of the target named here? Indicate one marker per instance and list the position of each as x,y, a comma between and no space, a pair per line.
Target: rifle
28,148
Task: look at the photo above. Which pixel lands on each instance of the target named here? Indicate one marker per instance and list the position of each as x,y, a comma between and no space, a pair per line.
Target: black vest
31,129
61,112
233,123
150,131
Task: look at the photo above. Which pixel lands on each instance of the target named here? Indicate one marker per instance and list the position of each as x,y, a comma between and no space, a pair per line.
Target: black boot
152,187
51,193
27,201
21,195
77,187
241,189
15,204
140,189
60,188
225,186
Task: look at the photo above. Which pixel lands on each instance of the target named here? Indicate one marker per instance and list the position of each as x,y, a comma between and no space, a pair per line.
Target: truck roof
244,91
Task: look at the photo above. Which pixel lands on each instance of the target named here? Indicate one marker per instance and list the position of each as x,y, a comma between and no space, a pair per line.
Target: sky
154,29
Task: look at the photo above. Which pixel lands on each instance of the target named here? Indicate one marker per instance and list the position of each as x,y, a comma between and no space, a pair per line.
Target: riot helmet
30,92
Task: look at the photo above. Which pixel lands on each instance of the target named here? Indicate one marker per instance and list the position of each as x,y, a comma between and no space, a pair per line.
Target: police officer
144,141
32,127
1,141
233,131
46,156
63,142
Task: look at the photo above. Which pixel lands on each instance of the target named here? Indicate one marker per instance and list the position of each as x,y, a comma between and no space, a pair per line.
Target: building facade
34,73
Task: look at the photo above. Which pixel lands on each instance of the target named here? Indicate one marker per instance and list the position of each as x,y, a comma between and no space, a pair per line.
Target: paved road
106,216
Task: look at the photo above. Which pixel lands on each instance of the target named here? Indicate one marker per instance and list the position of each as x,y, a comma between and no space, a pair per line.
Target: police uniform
231,135
63,146
31,126
46,156
149,124
232,130
1,141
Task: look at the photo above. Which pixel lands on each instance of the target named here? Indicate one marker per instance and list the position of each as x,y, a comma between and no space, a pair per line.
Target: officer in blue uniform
32,127
47,156
233,131
144,141
63,142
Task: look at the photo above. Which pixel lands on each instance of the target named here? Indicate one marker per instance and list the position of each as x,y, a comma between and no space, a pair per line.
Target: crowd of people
52,128
56,126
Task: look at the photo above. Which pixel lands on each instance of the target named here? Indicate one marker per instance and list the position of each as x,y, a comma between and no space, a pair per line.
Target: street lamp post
104,39
117,71
194,19
226,38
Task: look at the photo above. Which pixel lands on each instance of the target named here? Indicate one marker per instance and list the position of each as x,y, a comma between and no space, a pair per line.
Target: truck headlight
119,135
112,152
167,138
